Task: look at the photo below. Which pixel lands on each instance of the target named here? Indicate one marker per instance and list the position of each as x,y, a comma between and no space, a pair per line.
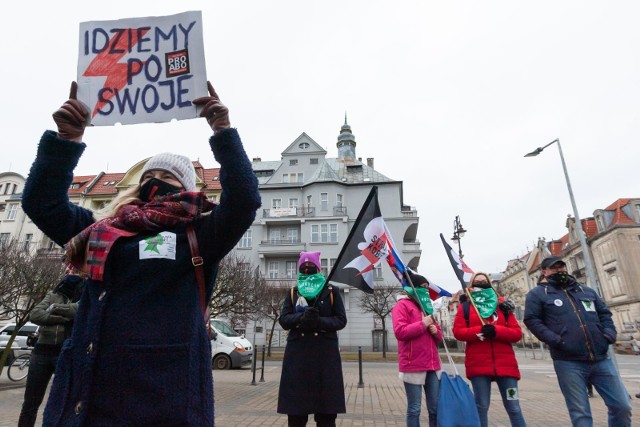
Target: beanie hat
180,166
69,286
312,257
417,279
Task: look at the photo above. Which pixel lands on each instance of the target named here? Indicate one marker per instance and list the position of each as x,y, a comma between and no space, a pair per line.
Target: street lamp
583,241
458,233
525,268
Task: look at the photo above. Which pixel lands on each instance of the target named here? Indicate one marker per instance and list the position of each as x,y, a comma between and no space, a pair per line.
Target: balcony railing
339,211
299,212
281,242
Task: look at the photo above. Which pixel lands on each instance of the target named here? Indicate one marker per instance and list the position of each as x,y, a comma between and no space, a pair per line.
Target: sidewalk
381,402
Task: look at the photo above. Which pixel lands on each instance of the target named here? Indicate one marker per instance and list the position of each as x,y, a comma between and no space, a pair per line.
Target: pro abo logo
162,245
589,305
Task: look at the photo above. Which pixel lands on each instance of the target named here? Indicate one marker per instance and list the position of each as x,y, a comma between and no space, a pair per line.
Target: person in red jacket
418,359
487,324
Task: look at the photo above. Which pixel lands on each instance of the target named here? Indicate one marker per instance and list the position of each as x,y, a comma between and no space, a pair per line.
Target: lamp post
458,233
591,276
528,279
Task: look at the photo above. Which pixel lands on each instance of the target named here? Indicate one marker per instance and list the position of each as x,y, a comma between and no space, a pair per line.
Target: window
291,270
213,198
244,267
285,178
324,201
13,210
292,235
339,200
377,272
274,235
276,203
614,282
313,161
74,186
27,241
326,264
4,239
273,270
600,223
303,145
638,210
245,242
293,203
293,162
324,233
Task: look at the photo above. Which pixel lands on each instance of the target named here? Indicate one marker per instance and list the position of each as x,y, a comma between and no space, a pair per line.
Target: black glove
72,117
216,113
463,298
310,318
489,331
507,307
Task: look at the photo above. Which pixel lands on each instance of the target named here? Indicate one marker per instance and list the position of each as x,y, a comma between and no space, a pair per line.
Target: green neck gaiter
310,285
423,295
486,301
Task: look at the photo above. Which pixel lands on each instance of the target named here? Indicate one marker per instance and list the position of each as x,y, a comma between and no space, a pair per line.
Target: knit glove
310,319
72,117
216,113
507,307
488,331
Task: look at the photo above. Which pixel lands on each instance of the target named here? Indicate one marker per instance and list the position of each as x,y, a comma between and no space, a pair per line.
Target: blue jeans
41,369
508,387
573,377
414,400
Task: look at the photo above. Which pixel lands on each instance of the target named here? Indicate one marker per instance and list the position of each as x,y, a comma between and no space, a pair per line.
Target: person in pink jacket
418,360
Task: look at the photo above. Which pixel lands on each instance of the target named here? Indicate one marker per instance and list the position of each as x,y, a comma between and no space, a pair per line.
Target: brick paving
380,402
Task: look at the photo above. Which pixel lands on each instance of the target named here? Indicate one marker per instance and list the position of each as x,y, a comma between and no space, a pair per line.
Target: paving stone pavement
380,402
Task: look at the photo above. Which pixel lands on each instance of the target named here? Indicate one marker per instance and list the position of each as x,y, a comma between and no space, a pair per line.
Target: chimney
555,247
370,162
257,159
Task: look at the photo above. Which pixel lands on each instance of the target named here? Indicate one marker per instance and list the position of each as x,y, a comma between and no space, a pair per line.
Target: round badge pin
558,303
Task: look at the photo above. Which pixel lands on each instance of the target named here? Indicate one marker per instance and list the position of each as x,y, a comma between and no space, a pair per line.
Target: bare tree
25,279
238,290
510,291
271,306
380,303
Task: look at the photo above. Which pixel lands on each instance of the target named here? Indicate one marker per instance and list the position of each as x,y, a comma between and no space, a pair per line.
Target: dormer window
303,145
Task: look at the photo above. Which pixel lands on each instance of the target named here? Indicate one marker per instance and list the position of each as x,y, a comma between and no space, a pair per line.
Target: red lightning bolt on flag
106,63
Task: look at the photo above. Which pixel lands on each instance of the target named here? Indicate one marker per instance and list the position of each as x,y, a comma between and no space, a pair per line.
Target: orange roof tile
619,216
82,182
107,184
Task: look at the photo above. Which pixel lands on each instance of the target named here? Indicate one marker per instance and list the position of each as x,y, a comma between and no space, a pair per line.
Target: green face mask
423,295
310,285
486,301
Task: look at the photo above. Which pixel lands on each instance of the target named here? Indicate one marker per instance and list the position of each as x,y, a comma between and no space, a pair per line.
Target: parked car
229,348
20,342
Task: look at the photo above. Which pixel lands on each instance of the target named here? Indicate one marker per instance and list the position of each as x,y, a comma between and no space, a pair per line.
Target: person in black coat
311,381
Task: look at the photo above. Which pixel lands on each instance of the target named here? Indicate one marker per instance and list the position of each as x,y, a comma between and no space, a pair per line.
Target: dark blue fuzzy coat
559,317
139,353
311,380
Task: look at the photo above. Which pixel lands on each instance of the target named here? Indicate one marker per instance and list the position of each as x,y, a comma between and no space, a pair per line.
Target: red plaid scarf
88,250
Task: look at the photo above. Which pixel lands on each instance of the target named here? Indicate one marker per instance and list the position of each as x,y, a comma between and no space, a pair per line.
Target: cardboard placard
142,70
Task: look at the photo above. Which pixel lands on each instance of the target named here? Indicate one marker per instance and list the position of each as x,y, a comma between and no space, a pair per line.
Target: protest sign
142,70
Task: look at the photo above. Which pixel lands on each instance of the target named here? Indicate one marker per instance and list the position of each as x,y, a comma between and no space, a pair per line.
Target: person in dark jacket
489,328
311,381
54,314
139,353
576,325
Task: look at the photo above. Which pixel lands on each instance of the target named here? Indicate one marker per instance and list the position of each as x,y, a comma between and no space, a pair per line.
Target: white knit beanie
180,166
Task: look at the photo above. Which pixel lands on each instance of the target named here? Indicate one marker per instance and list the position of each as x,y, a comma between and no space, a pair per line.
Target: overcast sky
446,96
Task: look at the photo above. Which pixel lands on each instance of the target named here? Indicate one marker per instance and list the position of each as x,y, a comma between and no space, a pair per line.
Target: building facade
310,203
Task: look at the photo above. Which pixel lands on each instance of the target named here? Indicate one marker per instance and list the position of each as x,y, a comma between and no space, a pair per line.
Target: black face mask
561,278
156,188
308,269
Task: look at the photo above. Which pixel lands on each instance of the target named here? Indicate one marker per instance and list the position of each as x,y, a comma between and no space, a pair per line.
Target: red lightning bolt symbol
106,64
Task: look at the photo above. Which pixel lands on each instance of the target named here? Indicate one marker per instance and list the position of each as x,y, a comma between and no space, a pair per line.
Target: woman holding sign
139,353
418,359
487,324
